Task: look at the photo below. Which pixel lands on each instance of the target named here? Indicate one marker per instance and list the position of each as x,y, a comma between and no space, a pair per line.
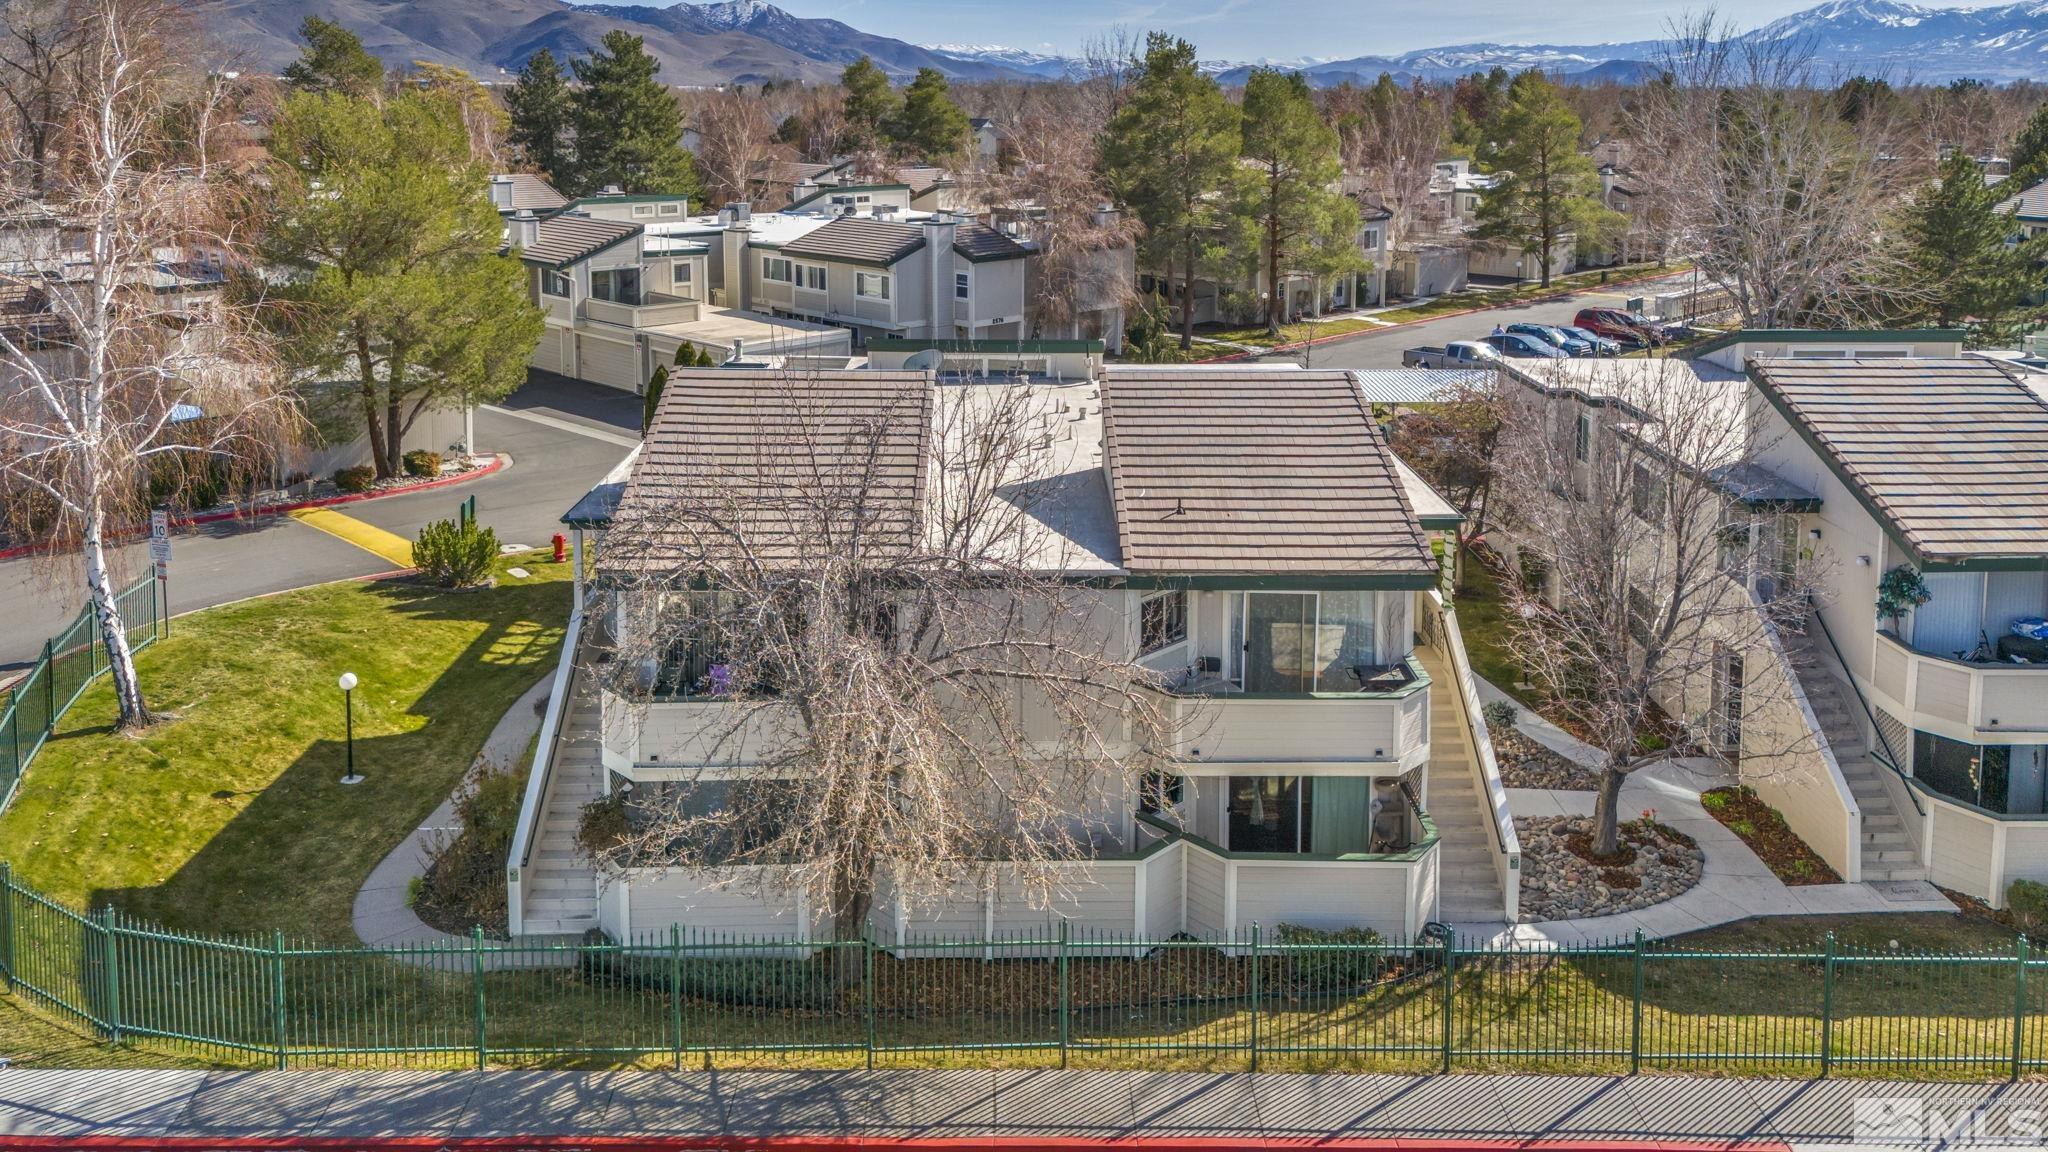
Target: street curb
497,464
1315,341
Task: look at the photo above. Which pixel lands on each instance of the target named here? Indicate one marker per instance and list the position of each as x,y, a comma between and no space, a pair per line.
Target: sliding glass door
1302,641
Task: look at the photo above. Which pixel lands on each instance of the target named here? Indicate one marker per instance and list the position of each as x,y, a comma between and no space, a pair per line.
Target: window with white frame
871,285
775,269
1582,439
554,283
671,209
811,276
643,209
1162,620
1371,238
962,285
682,276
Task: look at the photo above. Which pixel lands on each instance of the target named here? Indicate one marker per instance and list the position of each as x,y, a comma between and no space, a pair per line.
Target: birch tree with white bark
118,389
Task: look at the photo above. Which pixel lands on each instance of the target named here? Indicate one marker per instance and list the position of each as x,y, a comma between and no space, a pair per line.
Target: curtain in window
1340,817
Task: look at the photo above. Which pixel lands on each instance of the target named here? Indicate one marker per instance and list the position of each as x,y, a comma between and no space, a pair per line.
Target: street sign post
160,556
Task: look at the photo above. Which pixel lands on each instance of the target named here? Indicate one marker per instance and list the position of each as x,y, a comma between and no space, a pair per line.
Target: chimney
501,192
732,259
739,351
939,229
525,229
742,211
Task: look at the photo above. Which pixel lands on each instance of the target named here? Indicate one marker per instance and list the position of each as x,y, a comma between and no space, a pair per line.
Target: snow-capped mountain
1018,60
752,40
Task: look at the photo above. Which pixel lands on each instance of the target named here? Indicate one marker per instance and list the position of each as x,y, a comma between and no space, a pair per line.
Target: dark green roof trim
622,198
830,189
1443,523
1821,336
984,347
993,257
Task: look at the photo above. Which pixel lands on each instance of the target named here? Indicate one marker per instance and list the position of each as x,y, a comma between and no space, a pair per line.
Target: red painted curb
498,461
1315,341
724,1143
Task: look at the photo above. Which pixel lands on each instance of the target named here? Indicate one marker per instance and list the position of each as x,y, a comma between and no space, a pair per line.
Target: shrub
465,881
420,462
1499,714
454,555
1348,957
604,826
2027,900
360,478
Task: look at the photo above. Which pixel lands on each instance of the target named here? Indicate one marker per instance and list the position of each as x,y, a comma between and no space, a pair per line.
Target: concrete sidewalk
707,1109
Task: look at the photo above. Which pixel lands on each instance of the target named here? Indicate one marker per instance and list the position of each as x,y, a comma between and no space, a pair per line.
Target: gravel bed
1526,764
1560,884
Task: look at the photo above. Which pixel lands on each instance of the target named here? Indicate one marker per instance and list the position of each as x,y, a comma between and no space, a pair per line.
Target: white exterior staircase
559,890
1889,852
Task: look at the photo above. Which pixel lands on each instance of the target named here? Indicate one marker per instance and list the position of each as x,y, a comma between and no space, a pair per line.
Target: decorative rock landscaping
1561,882
1526,764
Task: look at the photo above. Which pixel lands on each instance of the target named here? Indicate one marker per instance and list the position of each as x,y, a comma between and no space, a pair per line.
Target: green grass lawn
228,818
1257,335
1489,633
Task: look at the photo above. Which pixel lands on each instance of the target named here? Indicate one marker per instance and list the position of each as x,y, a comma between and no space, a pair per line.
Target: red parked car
1631,328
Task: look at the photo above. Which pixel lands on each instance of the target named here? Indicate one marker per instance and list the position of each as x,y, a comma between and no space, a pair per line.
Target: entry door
1279,632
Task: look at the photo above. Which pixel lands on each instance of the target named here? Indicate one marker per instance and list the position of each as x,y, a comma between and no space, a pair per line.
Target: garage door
549,355
607,362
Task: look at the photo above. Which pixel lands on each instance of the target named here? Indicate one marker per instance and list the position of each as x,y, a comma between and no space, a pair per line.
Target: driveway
562,436
1382,348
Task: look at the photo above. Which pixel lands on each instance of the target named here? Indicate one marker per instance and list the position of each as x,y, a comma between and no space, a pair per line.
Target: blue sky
1278,29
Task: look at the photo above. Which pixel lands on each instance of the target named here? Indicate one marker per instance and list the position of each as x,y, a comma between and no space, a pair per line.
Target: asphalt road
1382,348
562,436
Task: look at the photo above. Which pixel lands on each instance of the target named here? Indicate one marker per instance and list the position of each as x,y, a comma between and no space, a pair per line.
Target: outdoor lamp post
348,712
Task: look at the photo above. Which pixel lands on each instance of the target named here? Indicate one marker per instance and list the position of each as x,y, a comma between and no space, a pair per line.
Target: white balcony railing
652,312
1972,702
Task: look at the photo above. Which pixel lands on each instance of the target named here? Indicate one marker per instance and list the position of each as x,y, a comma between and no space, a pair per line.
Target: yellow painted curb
370,538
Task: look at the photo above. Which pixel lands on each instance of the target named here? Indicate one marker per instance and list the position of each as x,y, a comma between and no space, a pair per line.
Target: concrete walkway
380,916
1075,1108
1734,884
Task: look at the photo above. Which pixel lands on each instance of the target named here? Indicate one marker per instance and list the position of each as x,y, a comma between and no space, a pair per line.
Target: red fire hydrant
561,547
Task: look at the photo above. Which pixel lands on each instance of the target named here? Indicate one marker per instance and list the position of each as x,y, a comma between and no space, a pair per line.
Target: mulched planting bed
1526,764
1563,880
1761,827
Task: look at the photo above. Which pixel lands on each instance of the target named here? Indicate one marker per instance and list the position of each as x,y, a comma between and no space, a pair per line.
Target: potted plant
1899,591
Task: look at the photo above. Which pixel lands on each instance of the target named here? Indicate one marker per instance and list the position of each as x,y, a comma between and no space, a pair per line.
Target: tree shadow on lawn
294,857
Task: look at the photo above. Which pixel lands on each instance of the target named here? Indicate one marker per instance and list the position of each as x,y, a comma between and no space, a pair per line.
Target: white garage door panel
548,354
606,362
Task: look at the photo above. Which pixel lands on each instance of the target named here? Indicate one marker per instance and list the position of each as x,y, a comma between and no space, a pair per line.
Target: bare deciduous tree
871,584
735,138
1782,199
1087,259
110,386
39,41
1646,561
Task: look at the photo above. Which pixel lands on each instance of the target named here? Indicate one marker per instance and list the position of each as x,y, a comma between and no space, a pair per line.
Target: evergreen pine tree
928,126
333,61
1958,242
1171,153
629,128
1293,202
542,110
870,103
1544,187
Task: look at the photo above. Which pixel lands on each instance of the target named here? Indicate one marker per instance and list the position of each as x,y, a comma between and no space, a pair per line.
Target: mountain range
749,41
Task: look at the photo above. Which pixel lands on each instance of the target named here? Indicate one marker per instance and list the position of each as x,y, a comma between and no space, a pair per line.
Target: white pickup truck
1456,354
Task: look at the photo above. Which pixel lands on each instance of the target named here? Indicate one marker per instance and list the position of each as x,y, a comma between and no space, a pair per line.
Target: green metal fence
71,660
689,999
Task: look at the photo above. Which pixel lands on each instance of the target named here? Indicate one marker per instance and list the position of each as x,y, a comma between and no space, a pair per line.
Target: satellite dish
928,360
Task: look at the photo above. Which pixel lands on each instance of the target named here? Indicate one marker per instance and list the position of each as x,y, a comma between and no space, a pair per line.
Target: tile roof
1951,455
2031,204
776,449
566,239
980,242
1255,471
859,240
530,192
